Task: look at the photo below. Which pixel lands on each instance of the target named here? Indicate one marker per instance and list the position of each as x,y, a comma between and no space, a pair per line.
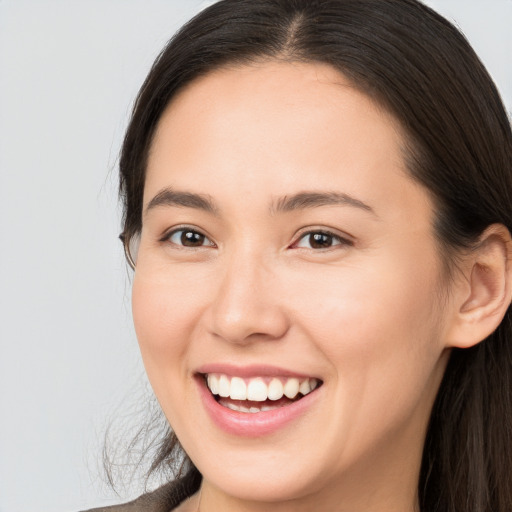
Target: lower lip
253,424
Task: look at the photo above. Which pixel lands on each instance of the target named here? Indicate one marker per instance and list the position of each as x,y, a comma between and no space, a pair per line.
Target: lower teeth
252,407
241,408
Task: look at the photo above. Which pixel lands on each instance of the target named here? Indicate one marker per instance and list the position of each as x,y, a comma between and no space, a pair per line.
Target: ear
484,293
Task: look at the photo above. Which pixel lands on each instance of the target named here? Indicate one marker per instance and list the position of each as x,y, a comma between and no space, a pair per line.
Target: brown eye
321,240
188,238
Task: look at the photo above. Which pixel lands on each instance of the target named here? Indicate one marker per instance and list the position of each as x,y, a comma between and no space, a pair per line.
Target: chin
270,484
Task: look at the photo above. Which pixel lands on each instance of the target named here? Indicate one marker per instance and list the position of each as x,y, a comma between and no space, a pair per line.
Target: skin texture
372,315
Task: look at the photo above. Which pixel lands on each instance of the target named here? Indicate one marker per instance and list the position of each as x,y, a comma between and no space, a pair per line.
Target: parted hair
419,67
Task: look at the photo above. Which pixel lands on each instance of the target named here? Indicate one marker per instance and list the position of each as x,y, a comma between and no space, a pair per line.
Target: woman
317,207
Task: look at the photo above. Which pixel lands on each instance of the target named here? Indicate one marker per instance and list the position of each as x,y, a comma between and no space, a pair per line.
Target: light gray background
69,70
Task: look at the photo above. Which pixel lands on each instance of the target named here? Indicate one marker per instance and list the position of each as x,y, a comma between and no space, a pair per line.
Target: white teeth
238,408
305,387
238,389
291,388
251,410
257,390
213,384
224,386
275,389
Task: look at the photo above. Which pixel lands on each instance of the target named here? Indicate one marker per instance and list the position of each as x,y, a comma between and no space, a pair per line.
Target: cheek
163,319
164,307
380,329
380,304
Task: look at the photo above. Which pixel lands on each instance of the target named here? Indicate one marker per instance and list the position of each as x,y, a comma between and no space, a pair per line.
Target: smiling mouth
258,394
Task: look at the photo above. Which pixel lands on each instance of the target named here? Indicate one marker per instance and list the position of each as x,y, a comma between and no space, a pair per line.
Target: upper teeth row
256,389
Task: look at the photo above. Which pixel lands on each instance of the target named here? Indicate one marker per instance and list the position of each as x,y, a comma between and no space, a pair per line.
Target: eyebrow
299,201
170,197
305,200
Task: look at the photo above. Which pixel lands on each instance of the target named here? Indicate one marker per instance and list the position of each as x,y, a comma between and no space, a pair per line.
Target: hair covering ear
131,248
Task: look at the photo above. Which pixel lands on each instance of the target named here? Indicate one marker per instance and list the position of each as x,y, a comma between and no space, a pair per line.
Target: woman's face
284,246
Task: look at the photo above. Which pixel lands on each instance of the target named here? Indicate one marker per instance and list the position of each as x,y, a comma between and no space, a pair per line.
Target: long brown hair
418,66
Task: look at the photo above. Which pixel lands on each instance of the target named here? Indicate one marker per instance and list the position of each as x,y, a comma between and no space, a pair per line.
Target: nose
247,305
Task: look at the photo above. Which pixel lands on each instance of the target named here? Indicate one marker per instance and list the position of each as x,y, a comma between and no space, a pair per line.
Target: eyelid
343,239
166,237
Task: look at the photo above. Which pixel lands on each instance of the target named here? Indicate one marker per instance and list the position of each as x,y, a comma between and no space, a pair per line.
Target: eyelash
341,241
186,229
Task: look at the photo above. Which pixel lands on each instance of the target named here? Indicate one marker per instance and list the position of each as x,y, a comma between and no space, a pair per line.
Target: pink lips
251,424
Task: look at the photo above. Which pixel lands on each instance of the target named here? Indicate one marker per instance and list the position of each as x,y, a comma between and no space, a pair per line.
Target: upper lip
253,370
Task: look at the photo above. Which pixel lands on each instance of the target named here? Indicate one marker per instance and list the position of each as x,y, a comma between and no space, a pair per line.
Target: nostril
242,313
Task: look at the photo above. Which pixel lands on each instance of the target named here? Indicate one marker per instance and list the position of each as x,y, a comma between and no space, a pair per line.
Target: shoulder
163,499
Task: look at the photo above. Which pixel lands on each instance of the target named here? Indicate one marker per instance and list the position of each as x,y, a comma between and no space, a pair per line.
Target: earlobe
486,293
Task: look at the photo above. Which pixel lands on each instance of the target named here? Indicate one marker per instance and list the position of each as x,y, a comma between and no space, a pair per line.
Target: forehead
272,127
299,97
